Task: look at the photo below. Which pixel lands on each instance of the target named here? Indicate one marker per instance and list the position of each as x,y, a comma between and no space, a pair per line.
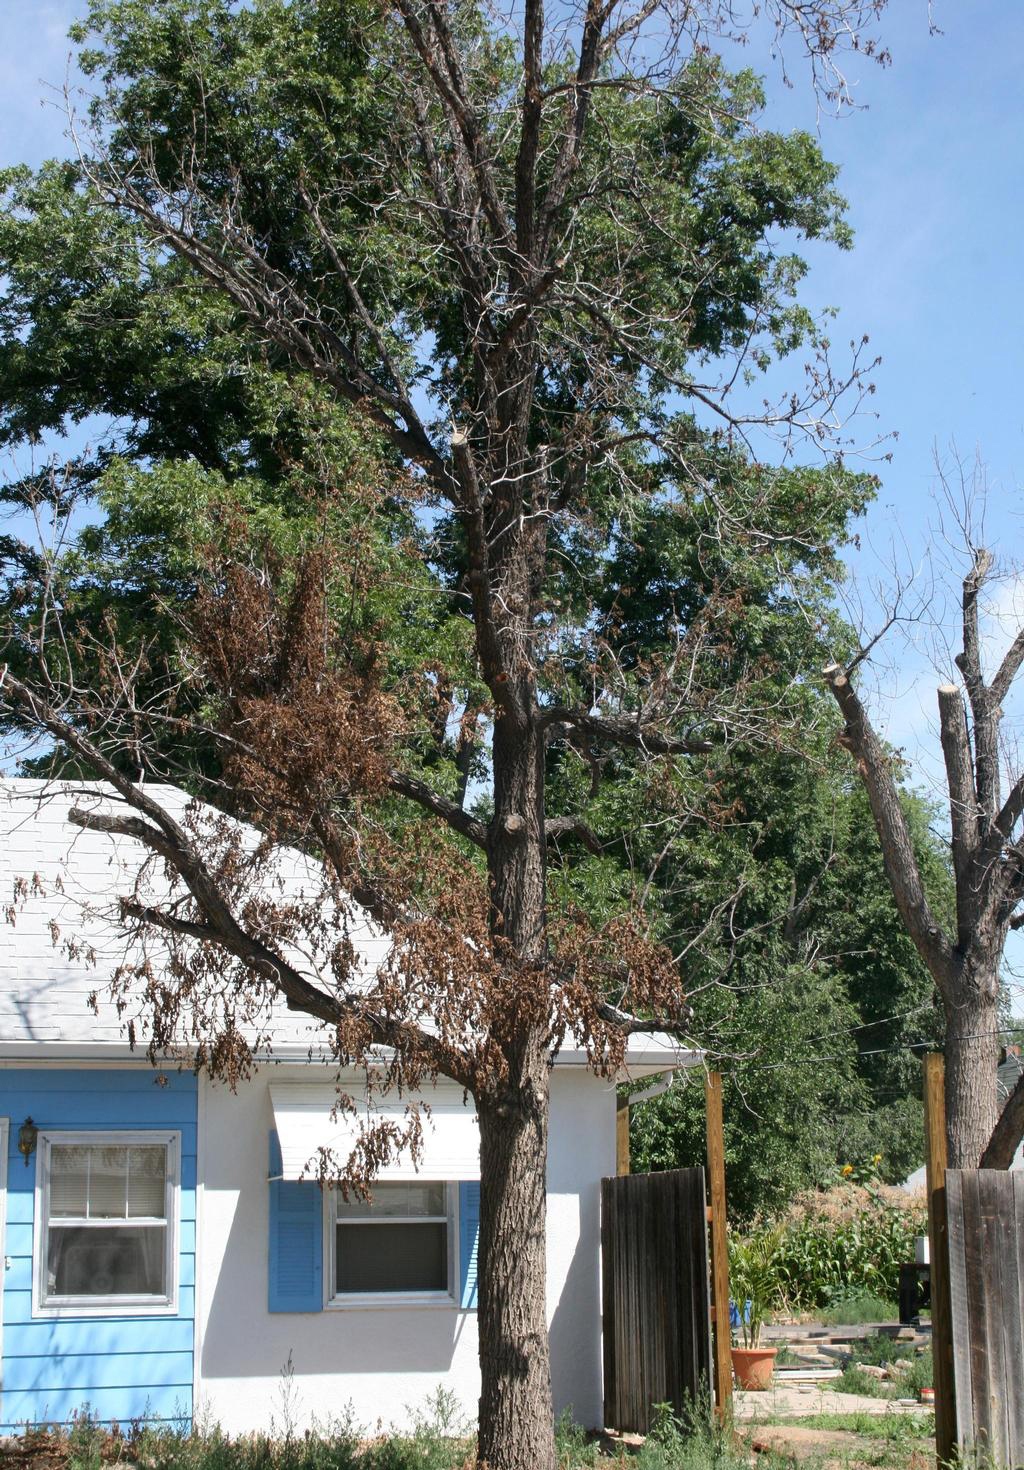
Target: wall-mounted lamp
28,1134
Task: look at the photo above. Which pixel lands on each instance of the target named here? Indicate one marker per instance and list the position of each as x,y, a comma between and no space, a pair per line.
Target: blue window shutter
469,1235
296,1241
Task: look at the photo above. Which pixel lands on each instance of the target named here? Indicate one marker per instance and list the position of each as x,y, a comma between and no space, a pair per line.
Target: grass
894,1428
892,1441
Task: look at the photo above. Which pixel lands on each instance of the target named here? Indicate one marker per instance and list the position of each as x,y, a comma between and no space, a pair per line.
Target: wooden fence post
621,1134
938,1251
719,1245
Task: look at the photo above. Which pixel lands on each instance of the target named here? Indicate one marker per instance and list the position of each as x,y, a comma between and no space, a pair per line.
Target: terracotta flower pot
754,1366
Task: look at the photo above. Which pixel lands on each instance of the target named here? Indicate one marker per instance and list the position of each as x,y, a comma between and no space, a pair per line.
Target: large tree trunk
516,1419
972,1056
516,1426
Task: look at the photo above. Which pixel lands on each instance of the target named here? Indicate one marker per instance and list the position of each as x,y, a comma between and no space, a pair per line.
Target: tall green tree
808,993
524,256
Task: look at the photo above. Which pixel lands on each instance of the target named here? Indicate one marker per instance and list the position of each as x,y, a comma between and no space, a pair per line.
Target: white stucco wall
382,1361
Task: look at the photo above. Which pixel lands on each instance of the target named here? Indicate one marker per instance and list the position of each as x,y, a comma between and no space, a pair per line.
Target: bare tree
537,369
987,847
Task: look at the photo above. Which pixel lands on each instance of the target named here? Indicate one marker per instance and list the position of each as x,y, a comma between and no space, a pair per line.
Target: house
163,1255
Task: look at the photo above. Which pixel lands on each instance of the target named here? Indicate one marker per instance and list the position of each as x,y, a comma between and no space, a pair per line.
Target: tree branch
875,767
529,136
637,1026
984,707
460,821
621,730
1008,669
1007,1133
221,926
963,802
264,296
555,827
450,85
164,836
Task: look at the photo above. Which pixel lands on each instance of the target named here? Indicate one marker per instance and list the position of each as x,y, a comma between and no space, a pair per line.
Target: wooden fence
976,1227
656,1313
985,1231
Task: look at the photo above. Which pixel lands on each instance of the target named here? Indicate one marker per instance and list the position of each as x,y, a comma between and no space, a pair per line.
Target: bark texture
972,1057
516,1428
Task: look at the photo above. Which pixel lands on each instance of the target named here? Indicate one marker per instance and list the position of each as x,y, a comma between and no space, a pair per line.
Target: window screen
106,1221
395,1242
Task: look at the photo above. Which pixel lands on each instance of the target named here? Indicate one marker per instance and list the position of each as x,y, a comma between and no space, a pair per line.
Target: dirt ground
839,1449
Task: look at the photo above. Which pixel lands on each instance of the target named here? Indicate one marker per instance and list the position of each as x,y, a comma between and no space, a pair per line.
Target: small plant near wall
753,1277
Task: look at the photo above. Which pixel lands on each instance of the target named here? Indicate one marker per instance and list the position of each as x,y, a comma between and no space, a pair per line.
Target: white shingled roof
58,879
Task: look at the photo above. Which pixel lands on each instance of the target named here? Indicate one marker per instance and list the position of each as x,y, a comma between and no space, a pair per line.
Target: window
106,1217
397,1246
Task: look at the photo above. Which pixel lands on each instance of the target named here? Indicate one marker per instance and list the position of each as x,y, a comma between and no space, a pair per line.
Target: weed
785,1357
440,1439
695,1439
575,1448
851,1311
879,1350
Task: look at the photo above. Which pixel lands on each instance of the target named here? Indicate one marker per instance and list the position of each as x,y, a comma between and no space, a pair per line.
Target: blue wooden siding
120,1367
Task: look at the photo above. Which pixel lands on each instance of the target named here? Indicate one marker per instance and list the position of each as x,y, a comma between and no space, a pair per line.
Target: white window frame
350,1300
114,1305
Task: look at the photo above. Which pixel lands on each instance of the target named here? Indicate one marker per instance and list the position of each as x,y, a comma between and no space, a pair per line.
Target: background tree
964,951
807,990
517,255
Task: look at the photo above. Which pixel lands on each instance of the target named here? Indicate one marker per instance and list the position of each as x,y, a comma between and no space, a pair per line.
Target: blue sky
933,167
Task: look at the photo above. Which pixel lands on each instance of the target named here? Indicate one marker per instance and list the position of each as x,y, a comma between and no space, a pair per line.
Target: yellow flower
876,1158
847,1170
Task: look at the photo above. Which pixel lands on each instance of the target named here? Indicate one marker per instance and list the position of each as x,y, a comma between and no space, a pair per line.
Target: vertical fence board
1016,1412
998,1202
958,1298
986,1216
979,1301
657,1321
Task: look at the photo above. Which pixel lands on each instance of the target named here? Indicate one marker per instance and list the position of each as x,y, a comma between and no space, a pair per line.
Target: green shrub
753,1277
439,1439
900,1430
